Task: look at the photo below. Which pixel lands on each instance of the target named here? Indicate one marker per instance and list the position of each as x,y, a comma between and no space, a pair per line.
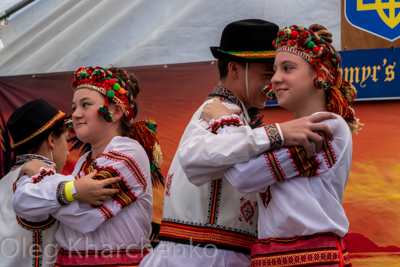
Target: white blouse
123,222
291,205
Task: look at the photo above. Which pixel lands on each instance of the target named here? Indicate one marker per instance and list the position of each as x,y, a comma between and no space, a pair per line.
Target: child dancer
117,232
38,132
301,218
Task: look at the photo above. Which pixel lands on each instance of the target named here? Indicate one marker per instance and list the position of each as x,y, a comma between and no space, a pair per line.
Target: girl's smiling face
293,84
88,124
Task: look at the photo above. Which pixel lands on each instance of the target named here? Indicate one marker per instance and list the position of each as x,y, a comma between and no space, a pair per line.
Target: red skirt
323,249
117,258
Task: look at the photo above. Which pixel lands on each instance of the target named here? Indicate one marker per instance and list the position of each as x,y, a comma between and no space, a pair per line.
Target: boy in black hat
38,132
39,137
205,219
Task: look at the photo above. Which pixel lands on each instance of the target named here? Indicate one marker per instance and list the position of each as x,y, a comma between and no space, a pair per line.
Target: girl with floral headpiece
114,231
301,218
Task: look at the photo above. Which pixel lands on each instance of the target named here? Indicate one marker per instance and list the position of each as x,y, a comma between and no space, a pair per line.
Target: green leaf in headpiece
151,126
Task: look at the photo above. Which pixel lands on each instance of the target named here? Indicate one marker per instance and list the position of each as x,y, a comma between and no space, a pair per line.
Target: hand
301,132
32,167
216,110
89,190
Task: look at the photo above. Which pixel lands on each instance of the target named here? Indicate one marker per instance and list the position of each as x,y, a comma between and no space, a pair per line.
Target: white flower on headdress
287,31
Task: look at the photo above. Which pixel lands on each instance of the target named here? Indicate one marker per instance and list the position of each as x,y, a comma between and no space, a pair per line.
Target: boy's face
60,151
259,75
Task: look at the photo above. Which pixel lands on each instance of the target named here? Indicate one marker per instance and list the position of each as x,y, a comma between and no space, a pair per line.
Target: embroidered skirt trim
117,258
325,249
205,237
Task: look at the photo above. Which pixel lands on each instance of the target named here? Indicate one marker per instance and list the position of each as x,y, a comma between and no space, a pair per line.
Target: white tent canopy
62,35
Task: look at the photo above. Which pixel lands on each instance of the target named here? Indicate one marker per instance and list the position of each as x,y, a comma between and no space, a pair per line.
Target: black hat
248,40
29,122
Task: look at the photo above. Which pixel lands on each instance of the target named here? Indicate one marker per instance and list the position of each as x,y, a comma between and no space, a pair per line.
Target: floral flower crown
313,48
320,54
108,84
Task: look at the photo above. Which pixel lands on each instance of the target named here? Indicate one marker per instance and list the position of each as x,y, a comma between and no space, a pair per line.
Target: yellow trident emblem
391,5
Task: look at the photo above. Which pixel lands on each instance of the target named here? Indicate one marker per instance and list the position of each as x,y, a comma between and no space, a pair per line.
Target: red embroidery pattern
314,258
275,166
266,197
168,186
327,151
247,210
42,173
304,166
225,122
190,234
99,257
125,196
322,249
106,212
215,197
130,163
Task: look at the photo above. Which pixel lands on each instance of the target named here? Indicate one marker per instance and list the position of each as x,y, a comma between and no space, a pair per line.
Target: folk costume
117,232
27,243
301,220
113,233
205,220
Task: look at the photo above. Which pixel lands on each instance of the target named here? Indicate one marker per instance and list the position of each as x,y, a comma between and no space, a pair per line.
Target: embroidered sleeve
131,185
128,161
291,162
60,194
37,196
134,173
42,173
274,135
271,167
225,124
202,155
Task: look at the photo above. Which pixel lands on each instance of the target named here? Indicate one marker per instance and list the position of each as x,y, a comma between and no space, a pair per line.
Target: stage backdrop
54,37
170,94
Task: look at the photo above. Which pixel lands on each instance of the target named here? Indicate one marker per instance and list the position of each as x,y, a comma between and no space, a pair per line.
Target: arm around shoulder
37,196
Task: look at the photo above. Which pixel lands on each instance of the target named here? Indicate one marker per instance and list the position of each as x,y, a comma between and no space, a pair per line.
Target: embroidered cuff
274,136
280,133
225,124
42,173
60,193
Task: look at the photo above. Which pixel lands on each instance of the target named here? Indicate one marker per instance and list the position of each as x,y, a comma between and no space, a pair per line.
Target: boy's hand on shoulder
92,191
302,131
215,110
